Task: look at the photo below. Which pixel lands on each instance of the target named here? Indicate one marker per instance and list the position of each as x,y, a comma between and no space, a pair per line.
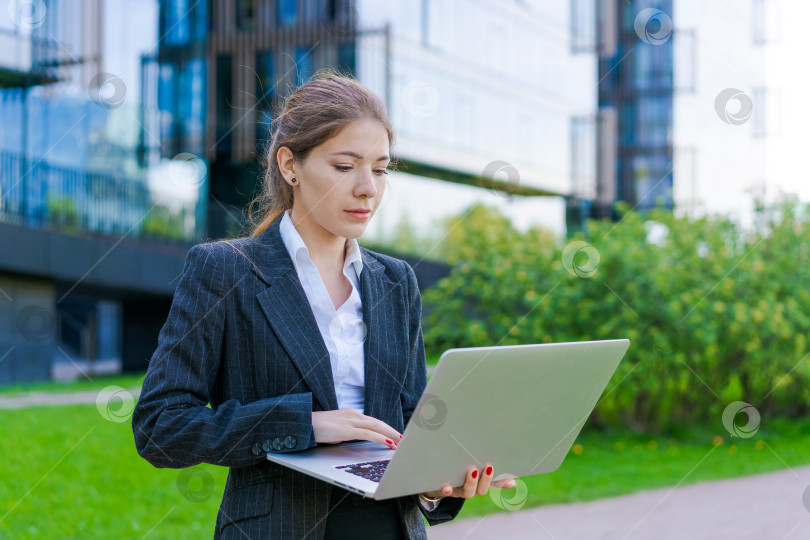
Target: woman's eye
346,168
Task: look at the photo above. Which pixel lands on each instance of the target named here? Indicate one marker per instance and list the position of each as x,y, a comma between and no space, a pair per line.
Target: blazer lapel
384,316
287,309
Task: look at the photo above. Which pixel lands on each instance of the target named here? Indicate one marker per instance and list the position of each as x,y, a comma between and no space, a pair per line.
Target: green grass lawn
68,473
79,385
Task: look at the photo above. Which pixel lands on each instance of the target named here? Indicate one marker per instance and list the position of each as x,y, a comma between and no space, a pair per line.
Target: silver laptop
518,408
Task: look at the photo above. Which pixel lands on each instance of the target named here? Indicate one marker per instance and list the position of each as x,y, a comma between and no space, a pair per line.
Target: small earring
293,180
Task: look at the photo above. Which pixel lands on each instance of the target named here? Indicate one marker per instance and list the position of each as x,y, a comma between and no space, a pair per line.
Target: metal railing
38,194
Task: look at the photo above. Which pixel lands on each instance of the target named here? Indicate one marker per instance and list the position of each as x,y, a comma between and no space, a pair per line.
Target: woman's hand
474,484
349,424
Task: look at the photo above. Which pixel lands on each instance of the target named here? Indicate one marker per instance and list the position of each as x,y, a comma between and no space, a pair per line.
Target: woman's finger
470,483
505,483
368,435
485,481
374,424
445,491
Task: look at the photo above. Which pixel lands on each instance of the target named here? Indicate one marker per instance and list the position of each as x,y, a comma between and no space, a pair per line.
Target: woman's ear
286,162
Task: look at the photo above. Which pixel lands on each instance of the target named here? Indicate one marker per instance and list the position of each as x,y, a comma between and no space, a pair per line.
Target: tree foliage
715,313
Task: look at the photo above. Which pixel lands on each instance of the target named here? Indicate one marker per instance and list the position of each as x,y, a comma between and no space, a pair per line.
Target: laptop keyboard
370,470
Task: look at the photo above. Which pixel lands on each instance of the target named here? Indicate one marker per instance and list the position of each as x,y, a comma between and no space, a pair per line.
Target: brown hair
312,114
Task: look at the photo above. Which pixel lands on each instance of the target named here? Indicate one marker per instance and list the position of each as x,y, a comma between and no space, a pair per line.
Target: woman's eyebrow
358,156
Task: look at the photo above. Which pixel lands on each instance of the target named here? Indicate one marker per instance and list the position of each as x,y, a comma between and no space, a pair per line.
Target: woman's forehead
367,139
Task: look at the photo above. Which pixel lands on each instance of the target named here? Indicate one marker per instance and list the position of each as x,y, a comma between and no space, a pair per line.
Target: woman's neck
326,250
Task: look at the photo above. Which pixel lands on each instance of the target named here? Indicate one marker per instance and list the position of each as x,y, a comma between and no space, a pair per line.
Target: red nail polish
400,436
489,470
475,474
389,441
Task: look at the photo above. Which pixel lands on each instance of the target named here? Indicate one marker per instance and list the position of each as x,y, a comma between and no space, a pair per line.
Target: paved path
39,399
761,507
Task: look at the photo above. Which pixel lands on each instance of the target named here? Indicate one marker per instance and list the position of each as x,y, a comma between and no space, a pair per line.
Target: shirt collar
297,248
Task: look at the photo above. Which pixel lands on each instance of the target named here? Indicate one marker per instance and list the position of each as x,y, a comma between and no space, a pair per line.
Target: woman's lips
359,215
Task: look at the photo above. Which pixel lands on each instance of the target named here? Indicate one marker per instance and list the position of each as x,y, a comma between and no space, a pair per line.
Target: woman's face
346,172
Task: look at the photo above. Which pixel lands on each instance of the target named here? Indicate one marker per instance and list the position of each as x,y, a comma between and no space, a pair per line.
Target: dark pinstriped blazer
242,336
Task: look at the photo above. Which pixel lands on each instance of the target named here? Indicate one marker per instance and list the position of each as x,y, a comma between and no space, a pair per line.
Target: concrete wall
27,329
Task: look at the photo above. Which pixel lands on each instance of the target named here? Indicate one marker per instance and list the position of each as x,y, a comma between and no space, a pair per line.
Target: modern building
131,130
634,122
92,242
464,109
691,96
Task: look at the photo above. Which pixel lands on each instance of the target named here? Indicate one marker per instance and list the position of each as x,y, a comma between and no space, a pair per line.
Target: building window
245,14
685,61
583,26
176,27
652,66
287,12
766,114
346,56
265,94
224,101
303,65
583,156
166,103
315,11
191,106
766,21
654,117
653,181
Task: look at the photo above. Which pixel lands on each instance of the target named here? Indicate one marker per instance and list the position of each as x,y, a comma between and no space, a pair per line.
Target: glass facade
636,85
100,143
690,101
461,102
73,111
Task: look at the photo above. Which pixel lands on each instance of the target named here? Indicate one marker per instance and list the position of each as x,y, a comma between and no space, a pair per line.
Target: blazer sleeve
449,507
172,424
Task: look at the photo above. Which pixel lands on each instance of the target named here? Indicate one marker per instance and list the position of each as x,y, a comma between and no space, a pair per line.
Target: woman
265,329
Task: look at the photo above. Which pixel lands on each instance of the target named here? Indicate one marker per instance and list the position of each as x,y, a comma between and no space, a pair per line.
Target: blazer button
278,444
256,449
266,446
289,441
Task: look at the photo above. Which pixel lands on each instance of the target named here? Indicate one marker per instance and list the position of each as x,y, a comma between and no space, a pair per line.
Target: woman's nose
366,184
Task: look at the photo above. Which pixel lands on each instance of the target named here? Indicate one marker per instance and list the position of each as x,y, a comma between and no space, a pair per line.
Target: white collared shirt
342,329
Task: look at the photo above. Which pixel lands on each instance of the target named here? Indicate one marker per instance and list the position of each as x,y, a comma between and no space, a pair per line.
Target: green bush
63,212
162,222
715,313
